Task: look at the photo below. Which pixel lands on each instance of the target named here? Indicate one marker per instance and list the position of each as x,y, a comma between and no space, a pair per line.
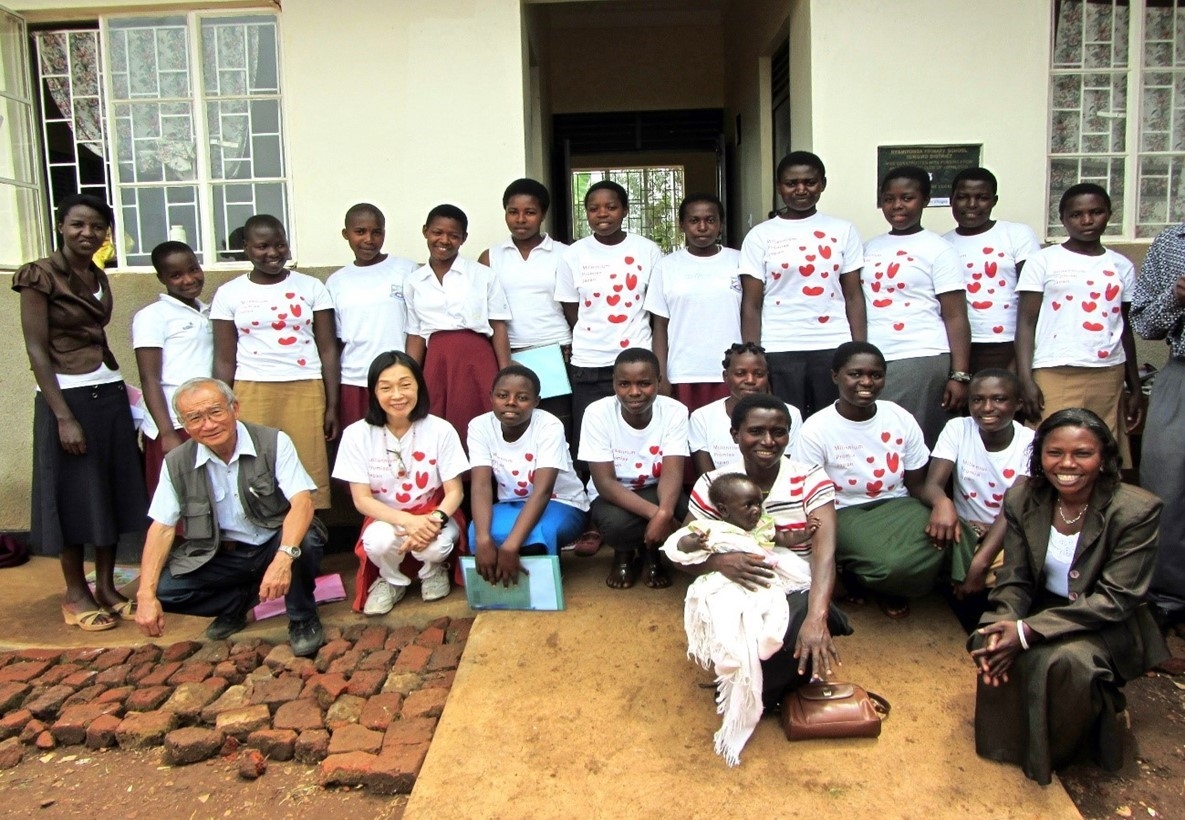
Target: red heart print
596,296
612,299
990,269
1069,297
1094,327
529,456
624,343
810,257
403,498
892,269
1108,273
776,275
825,251
870,459
988,251
613,276
617,288
421,480
898,326
244,330
295,310
885,436
301,362
977,276
892,461
617,318
631,280
629,260
1103,354
432,461
656,469
587,303
1009,472
785,266
638,466
974,287
289,295
881,303
629,304
1112,291
991,484
278,325
1094,295
972,494
879,472
1089,306
819,234
981,305
383,490
522,483
520,491
418,456
876,286
407,487
852,481
514,472
823,319
806,270
287,340
654,451
902,253
1057,306
998,329
874,488
809,291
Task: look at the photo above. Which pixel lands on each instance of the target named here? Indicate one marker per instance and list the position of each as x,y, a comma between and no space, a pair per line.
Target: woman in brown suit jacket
1067,625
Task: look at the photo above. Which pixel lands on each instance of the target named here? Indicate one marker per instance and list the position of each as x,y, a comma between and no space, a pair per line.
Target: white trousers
384,546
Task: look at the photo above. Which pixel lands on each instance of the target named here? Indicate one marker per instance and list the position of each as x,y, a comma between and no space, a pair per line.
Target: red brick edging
365,708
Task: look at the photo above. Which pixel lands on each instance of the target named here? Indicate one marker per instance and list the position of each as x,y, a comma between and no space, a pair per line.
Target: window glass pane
20,225
148,215
1161,194
654,195
17,151
12,51
239,56
1105,171
155,142
235,204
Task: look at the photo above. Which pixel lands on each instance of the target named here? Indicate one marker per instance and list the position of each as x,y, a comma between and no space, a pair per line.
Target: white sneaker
435,586
382,597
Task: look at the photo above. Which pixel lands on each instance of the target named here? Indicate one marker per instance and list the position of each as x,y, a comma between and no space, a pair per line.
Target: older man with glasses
244,504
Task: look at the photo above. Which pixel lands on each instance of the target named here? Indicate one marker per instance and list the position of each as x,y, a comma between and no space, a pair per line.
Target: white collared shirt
468,297
233,523
186,341
529,285
371,313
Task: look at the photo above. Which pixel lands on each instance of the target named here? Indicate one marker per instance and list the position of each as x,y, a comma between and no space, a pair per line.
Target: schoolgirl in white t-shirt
601,281
694,298
275,340
917,311
801,286
368,305
1074,344
524,491
174,342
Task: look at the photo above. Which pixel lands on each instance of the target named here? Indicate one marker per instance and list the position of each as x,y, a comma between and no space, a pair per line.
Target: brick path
364,709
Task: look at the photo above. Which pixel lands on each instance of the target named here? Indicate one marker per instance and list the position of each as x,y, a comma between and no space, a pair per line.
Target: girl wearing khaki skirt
275,340
1074,344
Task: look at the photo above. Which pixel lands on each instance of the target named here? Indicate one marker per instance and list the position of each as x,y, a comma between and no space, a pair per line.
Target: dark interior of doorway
645,135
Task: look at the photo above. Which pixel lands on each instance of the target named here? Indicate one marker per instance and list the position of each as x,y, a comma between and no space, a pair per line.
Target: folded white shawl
730,629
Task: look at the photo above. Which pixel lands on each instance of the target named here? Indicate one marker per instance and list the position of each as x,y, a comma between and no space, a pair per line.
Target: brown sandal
588,544
90,621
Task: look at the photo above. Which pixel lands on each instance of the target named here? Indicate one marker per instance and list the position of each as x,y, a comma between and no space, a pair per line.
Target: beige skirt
297,408
1098,389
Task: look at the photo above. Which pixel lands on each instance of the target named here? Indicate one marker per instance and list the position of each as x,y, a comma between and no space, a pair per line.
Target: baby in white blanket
731,629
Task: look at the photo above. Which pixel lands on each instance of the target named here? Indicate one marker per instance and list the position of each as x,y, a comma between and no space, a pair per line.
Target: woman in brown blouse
88,487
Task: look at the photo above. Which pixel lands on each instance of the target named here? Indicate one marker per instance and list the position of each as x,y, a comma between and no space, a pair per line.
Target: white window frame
202,180
30,143
1135,71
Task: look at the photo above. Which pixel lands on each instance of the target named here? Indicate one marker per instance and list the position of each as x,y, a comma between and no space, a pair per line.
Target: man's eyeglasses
213,414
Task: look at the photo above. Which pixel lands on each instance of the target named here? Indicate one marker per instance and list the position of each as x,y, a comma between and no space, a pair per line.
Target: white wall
948,71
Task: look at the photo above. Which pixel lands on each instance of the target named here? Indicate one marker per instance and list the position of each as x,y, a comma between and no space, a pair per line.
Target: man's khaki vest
263,502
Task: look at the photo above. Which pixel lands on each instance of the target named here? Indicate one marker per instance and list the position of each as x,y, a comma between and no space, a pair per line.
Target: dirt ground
75,782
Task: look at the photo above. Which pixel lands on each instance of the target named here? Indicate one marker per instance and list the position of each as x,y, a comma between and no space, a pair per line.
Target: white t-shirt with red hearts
981,477
431,454
513,463
710,430
700,296
1081,318
636,454
274,325
608,285
902,278
800,261
867,460
989,262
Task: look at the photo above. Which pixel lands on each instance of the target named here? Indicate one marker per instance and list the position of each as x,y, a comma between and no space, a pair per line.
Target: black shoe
224,626
306,636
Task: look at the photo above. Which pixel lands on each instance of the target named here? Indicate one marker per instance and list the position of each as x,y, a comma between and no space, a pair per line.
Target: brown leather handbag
833,710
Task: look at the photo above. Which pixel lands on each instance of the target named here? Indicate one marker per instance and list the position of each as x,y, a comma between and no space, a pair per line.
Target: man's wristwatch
291,552
439,516
959,376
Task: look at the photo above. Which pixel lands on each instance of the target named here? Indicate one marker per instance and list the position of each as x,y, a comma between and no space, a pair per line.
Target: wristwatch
959,376
439,515
291,552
